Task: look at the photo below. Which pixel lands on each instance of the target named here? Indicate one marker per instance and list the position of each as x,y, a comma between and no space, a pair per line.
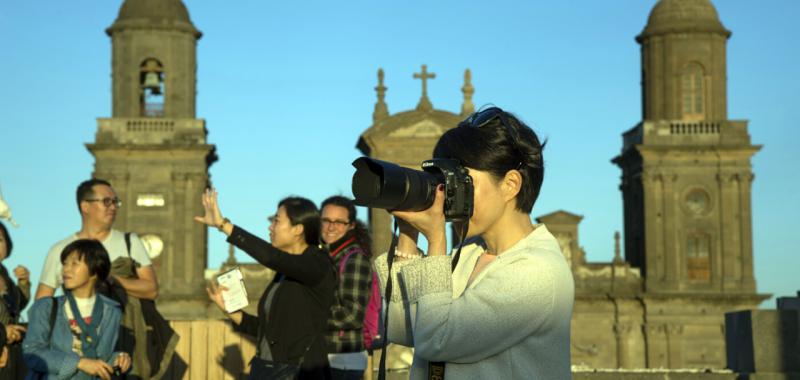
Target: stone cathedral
687,254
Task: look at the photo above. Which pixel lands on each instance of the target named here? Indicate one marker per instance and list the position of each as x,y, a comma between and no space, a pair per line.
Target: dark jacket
301,305
11,306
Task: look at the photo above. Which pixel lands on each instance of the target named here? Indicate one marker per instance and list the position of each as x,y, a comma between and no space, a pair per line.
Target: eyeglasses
335,223
107,201
481,118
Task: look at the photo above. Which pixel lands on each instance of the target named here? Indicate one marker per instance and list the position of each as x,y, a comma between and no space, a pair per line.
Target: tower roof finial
467,107
381,109
424,102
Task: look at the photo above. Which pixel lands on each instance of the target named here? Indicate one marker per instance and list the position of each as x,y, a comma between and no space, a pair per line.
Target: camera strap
387,296
436,369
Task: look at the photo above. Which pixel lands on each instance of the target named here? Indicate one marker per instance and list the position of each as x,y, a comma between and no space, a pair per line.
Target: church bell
152,82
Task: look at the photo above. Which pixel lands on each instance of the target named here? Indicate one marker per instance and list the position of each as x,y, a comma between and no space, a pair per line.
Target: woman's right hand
430,222
96,367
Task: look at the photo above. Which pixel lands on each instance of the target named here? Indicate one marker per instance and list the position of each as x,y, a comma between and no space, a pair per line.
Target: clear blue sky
287,87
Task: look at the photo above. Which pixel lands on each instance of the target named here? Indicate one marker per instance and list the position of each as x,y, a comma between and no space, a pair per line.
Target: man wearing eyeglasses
98,205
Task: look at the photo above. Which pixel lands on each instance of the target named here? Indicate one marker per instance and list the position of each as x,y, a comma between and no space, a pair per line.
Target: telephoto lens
381,184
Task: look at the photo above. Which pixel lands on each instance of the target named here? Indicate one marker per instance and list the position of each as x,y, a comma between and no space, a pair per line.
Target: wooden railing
211,350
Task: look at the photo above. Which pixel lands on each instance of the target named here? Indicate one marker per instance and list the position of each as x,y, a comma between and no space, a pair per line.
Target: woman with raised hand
504,310
291,321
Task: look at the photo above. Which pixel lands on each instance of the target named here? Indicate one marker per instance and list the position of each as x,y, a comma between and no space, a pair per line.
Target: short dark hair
492,147
92,253
9,243
86,189
303,211
360,231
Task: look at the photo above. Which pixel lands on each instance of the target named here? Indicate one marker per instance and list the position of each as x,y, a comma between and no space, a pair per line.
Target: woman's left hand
123,362
430,222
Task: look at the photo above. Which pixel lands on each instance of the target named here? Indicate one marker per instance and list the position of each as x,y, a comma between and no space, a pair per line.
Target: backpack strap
343,261
128,243
53,314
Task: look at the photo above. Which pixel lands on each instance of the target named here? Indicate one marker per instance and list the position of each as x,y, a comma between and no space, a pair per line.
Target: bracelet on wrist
223,223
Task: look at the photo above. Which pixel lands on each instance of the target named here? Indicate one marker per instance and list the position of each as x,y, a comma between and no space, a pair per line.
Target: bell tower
153,149
686,172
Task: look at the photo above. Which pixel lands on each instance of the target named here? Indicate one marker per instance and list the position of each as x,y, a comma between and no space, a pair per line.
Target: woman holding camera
504,310
292,314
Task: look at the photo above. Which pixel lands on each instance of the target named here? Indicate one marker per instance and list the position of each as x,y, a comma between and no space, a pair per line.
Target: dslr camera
381,184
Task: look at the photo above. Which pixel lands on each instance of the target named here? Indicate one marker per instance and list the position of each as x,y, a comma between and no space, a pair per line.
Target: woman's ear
511,185
299,230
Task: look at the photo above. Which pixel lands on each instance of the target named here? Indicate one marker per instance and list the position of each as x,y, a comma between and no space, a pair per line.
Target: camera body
381,184
458,187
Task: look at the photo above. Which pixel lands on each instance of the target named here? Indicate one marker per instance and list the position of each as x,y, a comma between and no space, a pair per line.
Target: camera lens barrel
381,184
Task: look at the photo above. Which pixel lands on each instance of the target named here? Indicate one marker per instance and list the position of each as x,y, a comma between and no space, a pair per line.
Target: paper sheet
235,297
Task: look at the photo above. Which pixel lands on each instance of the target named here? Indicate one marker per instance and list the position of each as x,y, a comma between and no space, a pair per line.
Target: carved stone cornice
590,349
653,329
659,175
180,176
673,329
727,178
113,176
623,328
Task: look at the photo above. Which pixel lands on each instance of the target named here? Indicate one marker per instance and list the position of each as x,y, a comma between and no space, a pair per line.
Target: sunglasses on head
482,118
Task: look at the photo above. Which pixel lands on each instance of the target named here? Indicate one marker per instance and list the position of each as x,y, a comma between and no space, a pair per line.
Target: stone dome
681,16
413,124
153,14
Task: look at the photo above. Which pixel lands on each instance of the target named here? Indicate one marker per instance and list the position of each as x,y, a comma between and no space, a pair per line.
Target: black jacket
301,305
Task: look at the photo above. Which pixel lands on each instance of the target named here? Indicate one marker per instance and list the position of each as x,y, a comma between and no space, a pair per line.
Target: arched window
698,252
692,87
151,80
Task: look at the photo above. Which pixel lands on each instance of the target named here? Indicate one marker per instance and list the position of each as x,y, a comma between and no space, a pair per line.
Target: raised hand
212,217
22,273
